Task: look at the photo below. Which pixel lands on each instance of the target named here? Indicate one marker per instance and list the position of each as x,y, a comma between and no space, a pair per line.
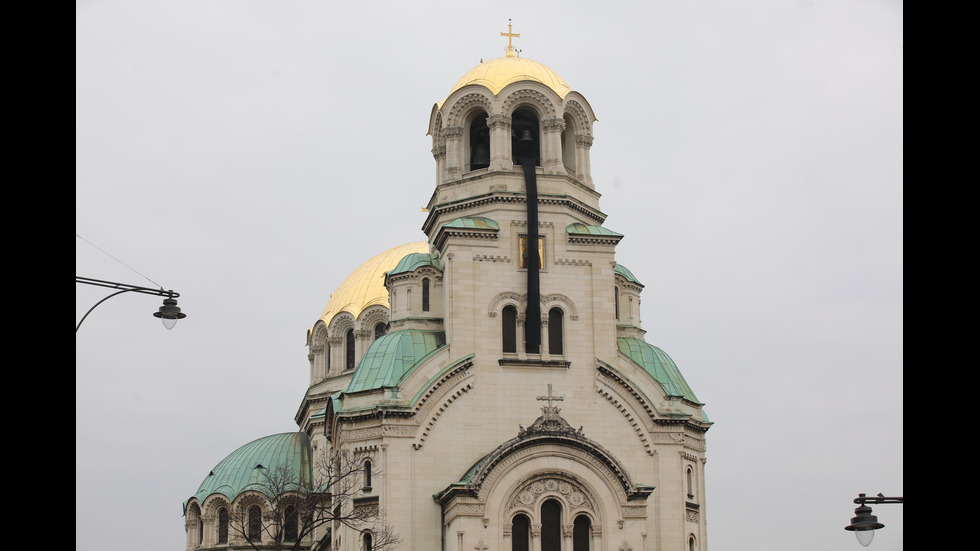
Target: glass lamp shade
865,536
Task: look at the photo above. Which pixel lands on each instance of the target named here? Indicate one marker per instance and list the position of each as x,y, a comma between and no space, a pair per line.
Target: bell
481,154
526,137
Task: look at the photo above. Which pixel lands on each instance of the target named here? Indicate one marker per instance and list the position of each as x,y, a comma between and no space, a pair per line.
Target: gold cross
510,38
551,398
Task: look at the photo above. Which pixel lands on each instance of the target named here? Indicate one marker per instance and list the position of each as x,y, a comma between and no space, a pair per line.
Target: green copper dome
245,466
414,261
393,356
658,364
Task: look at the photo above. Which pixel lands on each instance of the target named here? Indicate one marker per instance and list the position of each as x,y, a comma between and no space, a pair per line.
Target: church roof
365,286
658,364
393,356
245,467
414,261
498,73
623,271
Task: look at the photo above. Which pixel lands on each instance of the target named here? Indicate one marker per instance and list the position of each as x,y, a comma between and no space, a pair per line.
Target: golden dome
498,73
366,286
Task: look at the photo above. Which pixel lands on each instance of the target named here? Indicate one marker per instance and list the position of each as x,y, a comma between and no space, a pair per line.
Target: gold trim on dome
366,285
498,73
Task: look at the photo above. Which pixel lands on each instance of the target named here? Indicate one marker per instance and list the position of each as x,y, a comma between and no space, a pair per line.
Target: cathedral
493,382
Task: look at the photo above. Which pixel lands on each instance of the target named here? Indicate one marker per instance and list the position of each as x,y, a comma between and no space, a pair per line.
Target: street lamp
169,313
864,523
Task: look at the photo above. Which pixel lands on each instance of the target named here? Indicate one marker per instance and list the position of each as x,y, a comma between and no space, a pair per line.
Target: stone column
335,346
362,340
439,154
545,338
535,537
567,531
551,148
454,156
596,538
583,143
500,151
521,342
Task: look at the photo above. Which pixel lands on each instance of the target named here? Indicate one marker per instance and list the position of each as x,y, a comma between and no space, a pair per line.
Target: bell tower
511,143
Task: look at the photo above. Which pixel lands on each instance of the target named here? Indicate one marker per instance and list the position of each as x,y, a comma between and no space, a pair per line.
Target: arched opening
520,533
223,525
556,322
349,350
525,137
550,526
291,524
479,142
425,294
568,146
254,524
581,533
367,475
690,482
195,532
380,329
508,323
368,542
691,544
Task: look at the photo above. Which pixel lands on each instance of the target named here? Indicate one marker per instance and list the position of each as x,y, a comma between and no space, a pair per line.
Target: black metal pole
532,316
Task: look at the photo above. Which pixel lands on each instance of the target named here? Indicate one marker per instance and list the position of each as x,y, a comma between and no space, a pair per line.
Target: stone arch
340,323
558,300
373,315
538,102
319,351
498,302
579,117
463,107
575,495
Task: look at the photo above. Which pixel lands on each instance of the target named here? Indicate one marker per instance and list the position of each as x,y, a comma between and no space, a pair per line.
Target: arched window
379,330
690,482
367,475
550,526
367,541
508,322
581,533
425,294
254,523
291,528
691,544
555,331
223,525
479,142
195,535
568,146
520,532
349,353
525,137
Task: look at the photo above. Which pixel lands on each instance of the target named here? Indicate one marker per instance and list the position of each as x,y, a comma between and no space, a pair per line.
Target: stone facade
591,440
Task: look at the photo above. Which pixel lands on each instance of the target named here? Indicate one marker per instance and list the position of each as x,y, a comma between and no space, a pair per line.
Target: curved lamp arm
169,312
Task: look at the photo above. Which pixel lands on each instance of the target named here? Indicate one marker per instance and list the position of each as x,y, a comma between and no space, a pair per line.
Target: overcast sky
250,155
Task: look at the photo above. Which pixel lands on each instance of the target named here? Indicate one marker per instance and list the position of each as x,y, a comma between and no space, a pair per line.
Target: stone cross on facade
481,546
551,398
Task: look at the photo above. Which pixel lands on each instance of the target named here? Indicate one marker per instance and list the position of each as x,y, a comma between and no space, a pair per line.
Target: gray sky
750,151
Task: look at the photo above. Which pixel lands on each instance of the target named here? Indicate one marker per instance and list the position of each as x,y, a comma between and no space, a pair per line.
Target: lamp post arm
125,288
96,304
134,288
862,499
